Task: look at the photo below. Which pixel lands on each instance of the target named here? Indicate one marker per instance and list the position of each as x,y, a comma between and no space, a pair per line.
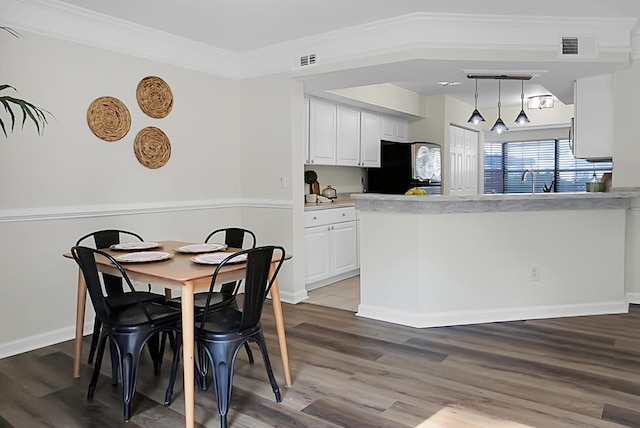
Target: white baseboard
41,340
420,320
293,298
633,298
331,280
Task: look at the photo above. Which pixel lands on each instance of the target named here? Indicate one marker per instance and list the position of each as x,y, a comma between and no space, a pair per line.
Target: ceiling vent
306,60
579,47
569,46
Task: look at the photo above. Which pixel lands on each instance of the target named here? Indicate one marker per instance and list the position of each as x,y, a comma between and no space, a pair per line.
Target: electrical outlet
283,182
534,273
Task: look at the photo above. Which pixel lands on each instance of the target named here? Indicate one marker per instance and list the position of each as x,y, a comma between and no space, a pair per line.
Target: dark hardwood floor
353,372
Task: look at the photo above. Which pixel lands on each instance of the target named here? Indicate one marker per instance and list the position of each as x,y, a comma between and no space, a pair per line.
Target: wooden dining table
179,273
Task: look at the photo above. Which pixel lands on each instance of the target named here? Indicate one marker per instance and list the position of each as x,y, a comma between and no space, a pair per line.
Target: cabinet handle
343,214
315,218
328,227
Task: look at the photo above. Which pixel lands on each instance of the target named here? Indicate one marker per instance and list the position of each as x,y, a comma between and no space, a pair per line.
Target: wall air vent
570,46
579,47
306,60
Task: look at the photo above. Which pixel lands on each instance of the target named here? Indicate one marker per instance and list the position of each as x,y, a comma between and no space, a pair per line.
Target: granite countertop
494,202
343,200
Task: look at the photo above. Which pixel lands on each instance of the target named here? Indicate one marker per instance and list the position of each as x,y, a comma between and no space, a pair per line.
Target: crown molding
446,32
63,21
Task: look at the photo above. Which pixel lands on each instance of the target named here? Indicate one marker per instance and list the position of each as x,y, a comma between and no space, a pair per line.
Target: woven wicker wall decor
108,118
154,97
152,147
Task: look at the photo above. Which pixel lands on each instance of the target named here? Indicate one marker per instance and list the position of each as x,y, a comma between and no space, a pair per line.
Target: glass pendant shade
476,117
499,126
522,117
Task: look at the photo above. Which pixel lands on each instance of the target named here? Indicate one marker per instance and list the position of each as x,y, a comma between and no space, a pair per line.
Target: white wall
447,269
272,134
626,165
58,168
67,182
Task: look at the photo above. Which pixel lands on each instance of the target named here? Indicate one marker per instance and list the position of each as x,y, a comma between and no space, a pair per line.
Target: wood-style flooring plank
576,372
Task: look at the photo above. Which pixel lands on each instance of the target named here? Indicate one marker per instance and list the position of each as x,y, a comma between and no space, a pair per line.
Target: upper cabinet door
370,125
386,128
306,131
401,130
593,121
348,136
394,129
322,132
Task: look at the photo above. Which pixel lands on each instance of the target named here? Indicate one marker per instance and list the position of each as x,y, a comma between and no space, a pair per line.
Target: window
551,160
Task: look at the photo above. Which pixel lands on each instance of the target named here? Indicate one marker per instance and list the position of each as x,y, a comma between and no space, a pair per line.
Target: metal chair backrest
104,239
234,237
86,259
258,280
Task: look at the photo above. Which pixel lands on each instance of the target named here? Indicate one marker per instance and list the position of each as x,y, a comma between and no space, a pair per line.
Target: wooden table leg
282,341
82,299
188,334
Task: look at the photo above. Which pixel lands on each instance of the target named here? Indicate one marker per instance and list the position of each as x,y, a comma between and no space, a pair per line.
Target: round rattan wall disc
154,97
108,118
152,147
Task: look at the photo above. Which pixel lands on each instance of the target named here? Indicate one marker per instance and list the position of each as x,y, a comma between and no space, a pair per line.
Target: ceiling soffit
450,36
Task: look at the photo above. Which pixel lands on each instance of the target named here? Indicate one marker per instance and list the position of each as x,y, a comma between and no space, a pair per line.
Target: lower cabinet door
344,247
317,241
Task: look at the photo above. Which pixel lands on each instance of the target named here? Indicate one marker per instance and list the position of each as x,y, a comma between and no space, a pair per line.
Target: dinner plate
217,258
144,256
202,248
139,245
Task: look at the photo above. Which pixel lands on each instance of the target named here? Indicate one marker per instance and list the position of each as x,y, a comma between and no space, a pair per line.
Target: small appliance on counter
405,166
330,192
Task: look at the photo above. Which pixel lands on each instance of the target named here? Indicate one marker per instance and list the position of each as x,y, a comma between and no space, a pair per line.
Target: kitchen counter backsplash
343,200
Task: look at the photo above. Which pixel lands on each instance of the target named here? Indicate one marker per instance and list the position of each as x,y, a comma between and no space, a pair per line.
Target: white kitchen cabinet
347,136
369,139
331,246
322,132
394,129
593,118
341,135
401,130
306,130
462,178
317,253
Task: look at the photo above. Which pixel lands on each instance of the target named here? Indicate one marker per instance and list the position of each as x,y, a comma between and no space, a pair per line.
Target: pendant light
476,117
522,117
499,126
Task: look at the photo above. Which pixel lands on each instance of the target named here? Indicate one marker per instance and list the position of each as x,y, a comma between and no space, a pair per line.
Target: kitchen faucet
533,179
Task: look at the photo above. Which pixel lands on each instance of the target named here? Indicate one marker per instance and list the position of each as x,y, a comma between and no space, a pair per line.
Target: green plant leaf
35,114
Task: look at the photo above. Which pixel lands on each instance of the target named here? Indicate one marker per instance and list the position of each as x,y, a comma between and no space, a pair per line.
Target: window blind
551,160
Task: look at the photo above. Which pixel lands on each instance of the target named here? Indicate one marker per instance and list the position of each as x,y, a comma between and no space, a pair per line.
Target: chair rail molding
84,211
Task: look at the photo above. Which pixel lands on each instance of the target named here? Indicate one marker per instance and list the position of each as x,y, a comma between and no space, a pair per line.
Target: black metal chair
116,294
232,237
128,329
221,333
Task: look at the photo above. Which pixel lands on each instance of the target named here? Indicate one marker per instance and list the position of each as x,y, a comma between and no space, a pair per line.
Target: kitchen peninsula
429,261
